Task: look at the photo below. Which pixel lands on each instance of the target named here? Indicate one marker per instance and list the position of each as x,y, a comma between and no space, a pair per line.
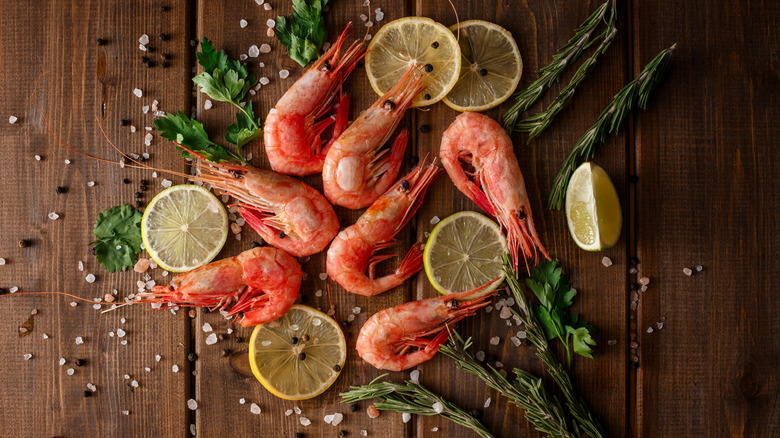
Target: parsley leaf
190,133
304,32
118,233
554,292
245,128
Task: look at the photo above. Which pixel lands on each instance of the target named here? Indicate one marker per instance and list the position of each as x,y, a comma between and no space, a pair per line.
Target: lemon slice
299,355
593,208
464,252
490,68
412,41
184,227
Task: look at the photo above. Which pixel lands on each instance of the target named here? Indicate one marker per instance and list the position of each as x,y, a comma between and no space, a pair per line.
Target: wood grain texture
219,411
707,195
84,82
540,29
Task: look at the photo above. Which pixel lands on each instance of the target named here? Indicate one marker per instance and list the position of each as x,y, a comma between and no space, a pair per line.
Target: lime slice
593,208
465,251
490,68
184,227
299,355
413,41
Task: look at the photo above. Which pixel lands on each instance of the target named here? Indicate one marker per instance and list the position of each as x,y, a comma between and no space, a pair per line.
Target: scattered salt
406,417
138,92
79,340
27,356
606,261
166,183
414,376
125,412
649,330
134,383
687,271
13,289
121,333
144,39
264,81
612,342
259,2
96,306
158,358
495,340
380,15
45,336
12,119
207,327
211,339
38,157
242,57
660,325
328,419
505,313
515,340
297,410
435,220
435,429
270,23
318,293
487,402
522,334
192,404
73,304
70,371
53,216
254,52
305,421
323,276
438,407
337,418
175,368
644,281
254,408
243,23
267,6
148,139
62,361
699,268
480,356
145,109
264,48
287,412
284,73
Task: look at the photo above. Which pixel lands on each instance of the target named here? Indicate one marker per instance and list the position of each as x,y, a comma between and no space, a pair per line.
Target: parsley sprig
118,233
551,286
190,133
304,32
226,80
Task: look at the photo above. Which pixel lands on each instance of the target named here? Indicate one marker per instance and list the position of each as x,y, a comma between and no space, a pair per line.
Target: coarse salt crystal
90,278
687,271
70,371
138,92
111,334
259,2
27,356
699,268
207,327
270,23
337,418
243,23
515,340
480,356
81,265
253,52
145,109
38,157
368,37
356,310
318,293
242,57
148,139
297,410
121,333
264,80
612,342
350,317
142,47
12,119
414,376
267,6
487,402
62,361
147,369
175,368
606,261
144,39
505,313
96,306
79,340
438,407
13,289
328,419
254,408
73,304
363,432
649,330
192,404
125,412
380,15
91,387
53,216
660,325
193,431
435,429
166,183
495,340
45,336
644,281
406,417
134,383
211,339
67,161
435,220
287,412
305,421
521,334
284,73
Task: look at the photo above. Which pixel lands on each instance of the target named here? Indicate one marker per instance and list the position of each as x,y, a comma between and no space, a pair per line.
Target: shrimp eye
520,214
404,186
238,175
281,234
452,304
389,104
326,66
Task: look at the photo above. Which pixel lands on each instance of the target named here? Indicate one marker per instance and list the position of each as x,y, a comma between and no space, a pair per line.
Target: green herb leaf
223,79
581,341
304,32
118,233
245,129
190,133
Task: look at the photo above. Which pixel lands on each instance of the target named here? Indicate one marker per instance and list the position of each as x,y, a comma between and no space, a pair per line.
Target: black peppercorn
124,122
87,393
79,362
302,356
163,37
428,68
3,291
256,245
149,64
144,188
165,64
294,340
354,407
634,260
144,59
144,182
239,339
100,41
425,128
165,8
343,433
298,435
166,56
139,204
435,44
476,413
204,309
337,368
633,179
150,49
138,194
483,72
192,357
60,190
23,243
126,181
281,234
634,286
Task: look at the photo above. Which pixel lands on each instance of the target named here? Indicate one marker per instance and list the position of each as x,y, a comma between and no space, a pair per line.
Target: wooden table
696,173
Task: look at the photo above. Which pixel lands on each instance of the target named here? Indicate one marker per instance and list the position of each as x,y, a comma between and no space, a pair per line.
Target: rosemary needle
636,93
412,398
566,56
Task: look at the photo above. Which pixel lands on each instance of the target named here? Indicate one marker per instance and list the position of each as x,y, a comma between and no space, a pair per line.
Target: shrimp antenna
65,294
457,35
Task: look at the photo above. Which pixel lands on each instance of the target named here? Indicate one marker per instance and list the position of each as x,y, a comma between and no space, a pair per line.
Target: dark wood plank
707,196
84,81
540,28
219,411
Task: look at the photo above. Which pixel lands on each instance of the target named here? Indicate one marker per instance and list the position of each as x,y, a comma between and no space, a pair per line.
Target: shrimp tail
522,234
412,262
342,118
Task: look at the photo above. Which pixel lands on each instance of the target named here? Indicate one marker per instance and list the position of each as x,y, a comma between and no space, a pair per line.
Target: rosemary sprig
412,398
637,92
566,56
534,125
586,420
543,410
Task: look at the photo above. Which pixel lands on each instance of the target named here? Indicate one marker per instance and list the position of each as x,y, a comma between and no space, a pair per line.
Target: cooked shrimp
258,285
352,252
357,168
496,184
399,338
286,212
293,131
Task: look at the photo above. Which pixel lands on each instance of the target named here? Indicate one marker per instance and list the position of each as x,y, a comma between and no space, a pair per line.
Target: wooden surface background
706,193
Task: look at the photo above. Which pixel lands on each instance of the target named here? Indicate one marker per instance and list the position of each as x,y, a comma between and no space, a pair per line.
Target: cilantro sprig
118,233
190,133
551,286
226,80
304,32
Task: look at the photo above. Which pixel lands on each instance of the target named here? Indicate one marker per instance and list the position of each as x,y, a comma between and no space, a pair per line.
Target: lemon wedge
593,208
